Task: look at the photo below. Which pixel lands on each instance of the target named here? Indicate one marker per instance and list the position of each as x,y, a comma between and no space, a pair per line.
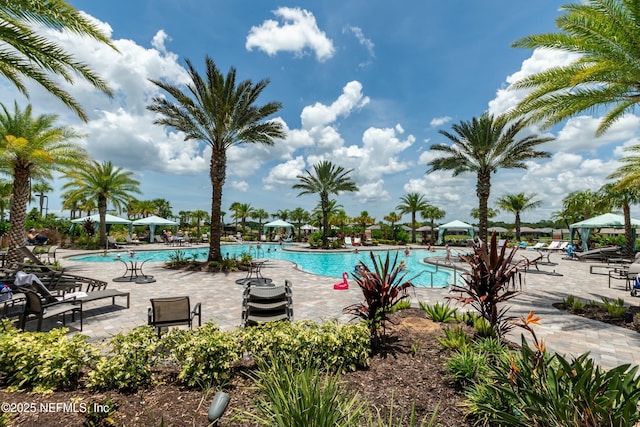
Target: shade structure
109,219
278,224
309,227
152,222
454,225
608,220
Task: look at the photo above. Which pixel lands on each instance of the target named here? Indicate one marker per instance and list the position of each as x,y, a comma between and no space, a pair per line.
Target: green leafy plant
177,259
490,283
438,312
455,338
401,305
42,361
575,304
465,365
615,307
129,367
392,419
101,413
383,287
294,396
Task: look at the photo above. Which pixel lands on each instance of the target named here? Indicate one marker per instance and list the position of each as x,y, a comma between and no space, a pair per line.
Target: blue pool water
331,264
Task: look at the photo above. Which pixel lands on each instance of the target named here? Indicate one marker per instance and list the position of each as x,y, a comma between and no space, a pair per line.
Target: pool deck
315,299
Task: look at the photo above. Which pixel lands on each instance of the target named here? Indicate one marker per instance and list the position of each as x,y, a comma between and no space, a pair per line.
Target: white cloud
439,121
372,192
578,133
285,174
240,185
322,115
298,32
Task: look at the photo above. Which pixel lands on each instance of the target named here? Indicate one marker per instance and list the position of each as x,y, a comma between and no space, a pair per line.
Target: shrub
383,288
129,366
206,356
300,397
440,312
329,345
401,305
615,307
466,365
42,361
455,338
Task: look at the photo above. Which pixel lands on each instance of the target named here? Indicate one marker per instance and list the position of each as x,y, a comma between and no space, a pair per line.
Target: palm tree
222,115
6,190
410,204
299,216
31,148
34,57
325,180
517,203
260,215
483,146
199,215
106,184
40,189
622,198
364,219
606,35
393,218
432,213
282,214
243,211
163,208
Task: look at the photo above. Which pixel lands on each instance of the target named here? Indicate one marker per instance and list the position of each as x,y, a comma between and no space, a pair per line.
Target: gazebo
153,221
608,220
108,219
454,225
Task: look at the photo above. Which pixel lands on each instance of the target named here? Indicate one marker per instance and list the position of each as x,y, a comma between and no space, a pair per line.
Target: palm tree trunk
517,227
102,211
324,201
483,189
628,232
413,227
433,232
218,175
18,214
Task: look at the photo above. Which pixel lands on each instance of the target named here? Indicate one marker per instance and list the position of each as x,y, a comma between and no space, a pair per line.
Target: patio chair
172,311
347,242
262,304
113,244
130,241
39,308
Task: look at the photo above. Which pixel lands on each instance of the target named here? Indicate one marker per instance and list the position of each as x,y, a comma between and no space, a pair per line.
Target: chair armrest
197,311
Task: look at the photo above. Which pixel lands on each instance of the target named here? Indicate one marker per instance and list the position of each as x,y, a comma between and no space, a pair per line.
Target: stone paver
315,299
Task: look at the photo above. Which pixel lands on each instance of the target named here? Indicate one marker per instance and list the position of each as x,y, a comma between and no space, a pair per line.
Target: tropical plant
393,218
6,191
411,204
489,283
383,287
604,35
299,217
260,215
363,220
163,208
491,213
517,203
432,213
455,338
40,190
31,147
484,145
103,182
199,216
34,57
325,180
620,196
220,114
466,365
440,312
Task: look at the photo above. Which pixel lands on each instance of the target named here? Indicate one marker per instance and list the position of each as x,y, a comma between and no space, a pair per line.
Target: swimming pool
331,264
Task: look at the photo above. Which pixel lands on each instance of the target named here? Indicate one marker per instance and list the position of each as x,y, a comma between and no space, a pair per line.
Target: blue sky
364,84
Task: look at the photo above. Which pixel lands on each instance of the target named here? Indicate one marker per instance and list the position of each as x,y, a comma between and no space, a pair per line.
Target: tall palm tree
625,191
393,218
622,198
411,204
299,216
163,208
102,182
606,35
35,58
31,148
484,145
517,203
325,180
432,213
221,114
260,215
200,215
364,219
244,211
40,190
282,214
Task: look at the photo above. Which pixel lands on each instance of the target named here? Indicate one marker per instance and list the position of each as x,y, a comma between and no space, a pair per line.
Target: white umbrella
153,221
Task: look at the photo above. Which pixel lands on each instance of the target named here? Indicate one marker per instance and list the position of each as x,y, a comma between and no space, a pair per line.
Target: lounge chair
602,254
357,241
262,304
131,241
368,241
347,242
113,244
38,307
536,246
173,311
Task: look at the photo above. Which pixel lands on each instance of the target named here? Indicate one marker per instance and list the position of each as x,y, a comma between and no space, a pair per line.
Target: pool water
332,264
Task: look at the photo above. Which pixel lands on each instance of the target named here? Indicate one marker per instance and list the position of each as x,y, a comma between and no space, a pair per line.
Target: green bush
206,356
615,307
331,345
455,338
293,396
441,313
129,367
42,361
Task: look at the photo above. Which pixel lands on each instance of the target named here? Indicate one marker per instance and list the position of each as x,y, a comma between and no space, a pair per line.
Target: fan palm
104,183
325,180
484,145
411,204
517,203
221,114
34,57
606,35
32,148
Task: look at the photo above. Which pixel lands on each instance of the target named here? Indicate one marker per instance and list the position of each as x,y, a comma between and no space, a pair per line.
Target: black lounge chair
40,307
262,304
600,254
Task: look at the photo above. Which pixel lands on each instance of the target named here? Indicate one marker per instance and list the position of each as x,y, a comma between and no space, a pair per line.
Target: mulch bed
598,313
410,372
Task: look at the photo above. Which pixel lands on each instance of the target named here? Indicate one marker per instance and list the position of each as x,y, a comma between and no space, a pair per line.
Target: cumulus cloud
439,121
320,115
285,173
297,32
240,186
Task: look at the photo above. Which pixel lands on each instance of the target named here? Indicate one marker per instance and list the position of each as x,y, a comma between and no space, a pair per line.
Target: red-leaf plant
383,287
491,282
